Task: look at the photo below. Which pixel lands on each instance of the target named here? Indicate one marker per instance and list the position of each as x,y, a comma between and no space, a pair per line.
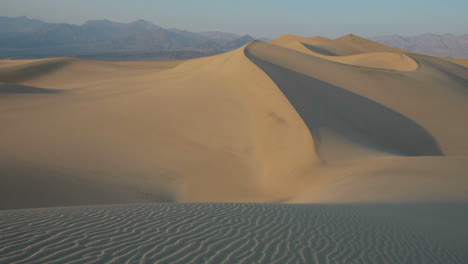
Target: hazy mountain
220,35
22,37
447,45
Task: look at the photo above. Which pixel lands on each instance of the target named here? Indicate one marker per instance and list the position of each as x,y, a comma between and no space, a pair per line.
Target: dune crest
378,60
462,62
288,38
365,125
211,129
263,123
352,44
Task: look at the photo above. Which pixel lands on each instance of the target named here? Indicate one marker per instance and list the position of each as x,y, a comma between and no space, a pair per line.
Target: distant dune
286,39
295,120
379,60
463,62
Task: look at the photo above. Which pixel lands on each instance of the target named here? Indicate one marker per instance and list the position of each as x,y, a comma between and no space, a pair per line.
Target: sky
261,18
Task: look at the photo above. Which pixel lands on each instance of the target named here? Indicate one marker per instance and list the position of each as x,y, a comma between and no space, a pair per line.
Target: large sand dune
345,123
302,120
236,233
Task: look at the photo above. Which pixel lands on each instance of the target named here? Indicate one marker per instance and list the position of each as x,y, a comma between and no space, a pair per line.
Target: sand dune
288,38
180,131
341,124
264,123
236,233
350,45
342,116
463,62
379,60
11,88
352,101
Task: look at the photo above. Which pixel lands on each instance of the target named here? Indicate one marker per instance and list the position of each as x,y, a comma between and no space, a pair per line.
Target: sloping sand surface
463,62
263,123
288,38
361,117
350,45
11,88
214,129
379,60
370,101
236,233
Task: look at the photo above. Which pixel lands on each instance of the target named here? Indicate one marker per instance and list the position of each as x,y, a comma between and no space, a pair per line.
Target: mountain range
446,45
22,37
25,38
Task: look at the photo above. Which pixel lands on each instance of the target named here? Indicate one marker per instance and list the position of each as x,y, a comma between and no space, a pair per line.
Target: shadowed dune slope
62,73
11,88
361,119
236,233
350,45
263,123
360,95
379,60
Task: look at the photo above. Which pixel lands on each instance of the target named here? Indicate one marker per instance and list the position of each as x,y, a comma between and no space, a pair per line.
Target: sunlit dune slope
264,123
379,60
350,45
463,62
286,39
213,129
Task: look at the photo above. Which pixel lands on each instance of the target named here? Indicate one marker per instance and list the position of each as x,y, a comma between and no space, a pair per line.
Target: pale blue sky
261,18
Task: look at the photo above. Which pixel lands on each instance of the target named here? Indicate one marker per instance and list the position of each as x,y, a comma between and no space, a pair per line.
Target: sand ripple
236,233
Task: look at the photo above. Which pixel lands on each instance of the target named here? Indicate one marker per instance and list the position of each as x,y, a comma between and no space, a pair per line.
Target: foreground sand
236,233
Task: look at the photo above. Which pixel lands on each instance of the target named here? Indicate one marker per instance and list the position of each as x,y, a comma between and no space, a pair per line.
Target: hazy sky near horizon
261,18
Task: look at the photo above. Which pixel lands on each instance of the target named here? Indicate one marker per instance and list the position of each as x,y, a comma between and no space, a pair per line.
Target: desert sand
326,123
236,233
289,122
463,62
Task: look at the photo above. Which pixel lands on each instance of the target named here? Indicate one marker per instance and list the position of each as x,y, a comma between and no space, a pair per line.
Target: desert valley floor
300,150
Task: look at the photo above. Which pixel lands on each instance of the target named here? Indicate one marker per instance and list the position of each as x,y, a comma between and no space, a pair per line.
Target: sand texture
236,233
295,120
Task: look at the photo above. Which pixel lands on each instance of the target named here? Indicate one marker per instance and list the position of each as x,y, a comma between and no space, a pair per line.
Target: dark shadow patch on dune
27,185
9,88
455,71
318,49
277,119
355,118
30,71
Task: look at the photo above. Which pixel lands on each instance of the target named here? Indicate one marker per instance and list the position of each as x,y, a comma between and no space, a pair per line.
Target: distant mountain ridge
446,45
22,37
26,38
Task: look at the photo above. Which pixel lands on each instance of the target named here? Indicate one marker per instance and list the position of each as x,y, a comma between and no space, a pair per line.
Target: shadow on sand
359,120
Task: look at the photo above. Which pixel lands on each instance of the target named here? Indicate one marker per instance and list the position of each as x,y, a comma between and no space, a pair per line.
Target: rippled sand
236,233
